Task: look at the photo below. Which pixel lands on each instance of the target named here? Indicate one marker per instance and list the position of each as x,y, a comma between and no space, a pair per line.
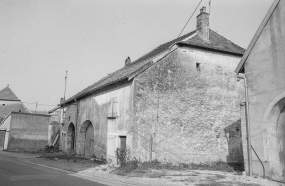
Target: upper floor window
113,109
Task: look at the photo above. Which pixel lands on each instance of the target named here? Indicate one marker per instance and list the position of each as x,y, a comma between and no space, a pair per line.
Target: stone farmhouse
263,65
180,102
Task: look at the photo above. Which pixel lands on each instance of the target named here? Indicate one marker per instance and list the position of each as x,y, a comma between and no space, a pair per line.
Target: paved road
14,172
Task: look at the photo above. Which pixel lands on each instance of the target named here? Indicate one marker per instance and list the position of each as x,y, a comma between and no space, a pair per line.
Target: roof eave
210,48
56,108
75,98
256,36
10,100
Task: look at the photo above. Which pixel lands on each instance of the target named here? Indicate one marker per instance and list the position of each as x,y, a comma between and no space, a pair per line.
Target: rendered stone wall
95,108
28,131
264,70
186,109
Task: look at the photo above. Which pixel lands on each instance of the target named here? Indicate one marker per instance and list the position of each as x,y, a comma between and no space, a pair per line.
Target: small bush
123,155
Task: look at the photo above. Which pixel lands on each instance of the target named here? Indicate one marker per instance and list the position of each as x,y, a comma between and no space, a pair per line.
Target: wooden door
89,141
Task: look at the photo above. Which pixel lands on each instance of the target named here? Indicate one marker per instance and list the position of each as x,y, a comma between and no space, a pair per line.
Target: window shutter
113,109
110,112
115,106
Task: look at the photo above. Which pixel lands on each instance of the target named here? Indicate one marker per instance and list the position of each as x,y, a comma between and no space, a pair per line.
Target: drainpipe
242,76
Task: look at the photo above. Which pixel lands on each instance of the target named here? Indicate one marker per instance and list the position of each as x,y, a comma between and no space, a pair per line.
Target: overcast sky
41,39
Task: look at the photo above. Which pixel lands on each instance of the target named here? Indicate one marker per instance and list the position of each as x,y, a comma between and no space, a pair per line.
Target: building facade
263,65
177,103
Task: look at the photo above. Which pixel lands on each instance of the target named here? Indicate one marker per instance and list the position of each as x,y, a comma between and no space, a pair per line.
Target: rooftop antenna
65,86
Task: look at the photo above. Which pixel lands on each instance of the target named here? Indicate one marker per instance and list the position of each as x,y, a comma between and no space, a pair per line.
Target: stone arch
274,135
70,138
87,142
84,126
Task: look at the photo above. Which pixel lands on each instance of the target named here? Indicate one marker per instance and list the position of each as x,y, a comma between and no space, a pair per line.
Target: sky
42,39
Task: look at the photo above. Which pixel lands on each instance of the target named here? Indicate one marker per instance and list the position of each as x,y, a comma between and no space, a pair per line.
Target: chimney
203,28
128,61
61,100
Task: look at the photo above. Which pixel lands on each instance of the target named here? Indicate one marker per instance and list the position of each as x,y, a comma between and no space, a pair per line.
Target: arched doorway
88,131
70,138
281,137
275,138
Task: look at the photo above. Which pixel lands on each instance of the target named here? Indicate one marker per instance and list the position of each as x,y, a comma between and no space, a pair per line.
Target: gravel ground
93,169
179,178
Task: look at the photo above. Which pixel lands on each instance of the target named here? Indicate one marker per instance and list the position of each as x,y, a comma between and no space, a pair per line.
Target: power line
189,18
38,104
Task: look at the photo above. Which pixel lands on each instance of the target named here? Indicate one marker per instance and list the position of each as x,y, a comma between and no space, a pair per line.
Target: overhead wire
189,19
38,104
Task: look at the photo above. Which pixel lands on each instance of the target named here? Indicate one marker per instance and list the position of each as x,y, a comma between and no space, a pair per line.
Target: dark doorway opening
89,141
71,137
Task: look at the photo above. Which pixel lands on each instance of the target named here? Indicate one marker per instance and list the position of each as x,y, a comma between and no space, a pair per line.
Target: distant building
24,131
10,102
19,128
264,67
175,103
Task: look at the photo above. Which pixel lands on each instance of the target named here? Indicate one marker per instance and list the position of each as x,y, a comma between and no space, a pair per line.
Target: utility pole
63,111
65,86
210,7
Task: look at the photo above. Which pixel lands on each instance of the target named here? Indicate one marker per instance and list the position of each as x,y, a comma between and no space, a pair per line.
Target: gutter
249,154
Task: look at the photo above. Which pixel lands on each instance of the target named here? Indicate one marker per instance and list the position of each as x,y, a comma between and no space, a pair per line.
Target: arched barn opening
275,135
70,140
88,131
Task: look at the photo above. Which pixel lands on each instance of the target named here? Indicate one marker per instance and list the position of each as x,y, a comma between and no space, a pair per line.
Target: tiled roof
16,107
7,94
217,42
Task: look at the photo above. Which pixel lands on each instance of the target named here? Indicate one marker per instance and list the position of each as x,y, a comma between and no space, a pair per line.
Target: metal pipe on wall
242,76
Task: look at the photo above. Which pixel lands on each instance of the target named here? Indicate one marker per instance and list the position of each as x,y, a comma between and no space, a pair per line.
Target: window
198,68
113,109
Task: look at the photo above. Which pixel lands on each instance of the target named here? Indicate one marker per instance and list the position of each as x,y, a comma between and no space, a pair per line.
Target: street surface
14,172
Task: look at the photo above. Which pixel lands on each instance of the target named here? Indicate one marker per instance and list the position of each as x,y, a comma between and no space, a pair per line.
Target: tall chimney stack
128,61
203,28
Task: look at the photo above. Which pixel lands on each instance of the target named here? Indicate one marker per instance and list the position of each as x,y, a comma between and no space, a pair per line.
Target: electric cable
189,18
